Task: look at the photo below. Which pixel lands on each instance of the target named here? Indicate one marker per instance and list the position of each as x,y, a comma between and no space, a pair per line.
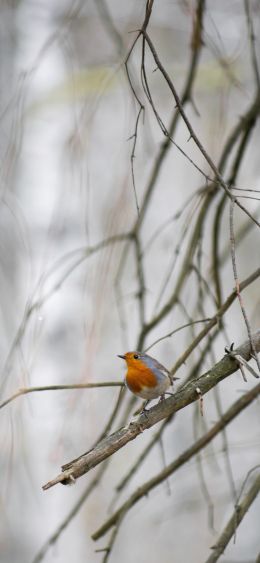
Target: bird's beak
121,356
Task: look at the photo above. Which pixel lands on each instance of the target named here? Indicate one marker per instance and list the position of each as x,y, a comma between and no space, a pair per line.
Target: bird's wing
162,369
152,362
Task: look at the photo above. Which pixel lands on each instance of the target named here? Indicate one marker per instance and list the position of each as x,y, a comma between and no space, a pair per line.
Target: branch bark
227,417
189,394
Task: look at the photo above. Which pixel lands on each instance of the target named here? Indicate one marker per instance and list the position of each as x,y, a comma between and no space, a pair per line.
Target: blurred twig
238,515
72,513
214,320
234,265
190,128
252,40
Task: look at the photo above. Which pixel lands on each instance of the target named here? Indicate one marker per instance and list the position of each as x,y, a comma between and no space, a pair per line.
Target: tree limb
227,417
189,394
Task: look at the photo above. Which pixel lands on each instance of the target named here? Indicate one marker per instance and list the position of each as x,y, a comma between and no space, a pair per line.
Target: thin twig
170,334
186,96
202,479
28,390
252,40
72,513
134,136
79,255
191,130
234,265
214,321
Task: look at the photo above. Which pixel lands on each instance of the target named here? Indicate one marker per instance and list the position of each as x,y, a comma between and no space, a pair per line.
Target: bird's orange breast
137,379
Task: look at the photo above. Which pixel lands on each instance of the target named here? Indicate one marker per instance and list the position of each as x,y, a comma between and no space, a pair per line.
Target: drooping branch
192,133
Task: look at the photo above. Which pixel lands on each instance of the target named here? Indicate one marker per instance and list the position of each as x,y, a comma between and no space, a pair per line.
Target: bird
146,377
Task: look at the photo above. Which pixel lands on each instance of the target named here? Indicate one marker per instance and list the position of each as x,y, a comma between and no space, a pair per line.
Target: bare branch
72,470
191,130
214,320
174,332
234,265
186,96
28,390
142,491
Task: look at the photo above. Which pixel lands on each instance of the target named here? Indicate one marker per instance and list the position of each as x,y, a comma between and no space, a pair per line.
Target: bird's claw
230,349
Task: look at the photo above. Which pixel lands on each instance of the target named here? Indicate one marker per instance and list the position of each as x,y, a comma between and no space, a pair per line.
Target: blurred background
77,289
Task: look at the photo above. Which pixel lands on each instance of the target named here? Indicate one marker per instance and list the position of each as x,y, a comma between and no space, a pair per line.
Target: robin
146,377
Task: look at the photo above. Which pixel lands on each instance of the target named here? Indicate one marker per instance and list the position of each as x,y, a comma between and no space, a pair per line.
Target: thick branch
189,394
227,417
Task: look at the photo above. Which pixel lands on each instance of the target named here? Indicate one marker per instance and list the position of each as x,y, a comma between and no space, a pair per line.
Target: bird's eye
136,357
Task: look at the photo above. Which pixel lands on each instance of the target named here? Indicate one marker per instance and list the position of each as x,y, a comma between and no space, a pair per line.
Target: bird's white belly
154,392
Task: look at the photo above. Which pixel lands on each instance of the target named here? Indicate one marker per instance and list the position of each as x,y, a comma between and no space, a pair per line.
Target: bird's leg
162,398
144,409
